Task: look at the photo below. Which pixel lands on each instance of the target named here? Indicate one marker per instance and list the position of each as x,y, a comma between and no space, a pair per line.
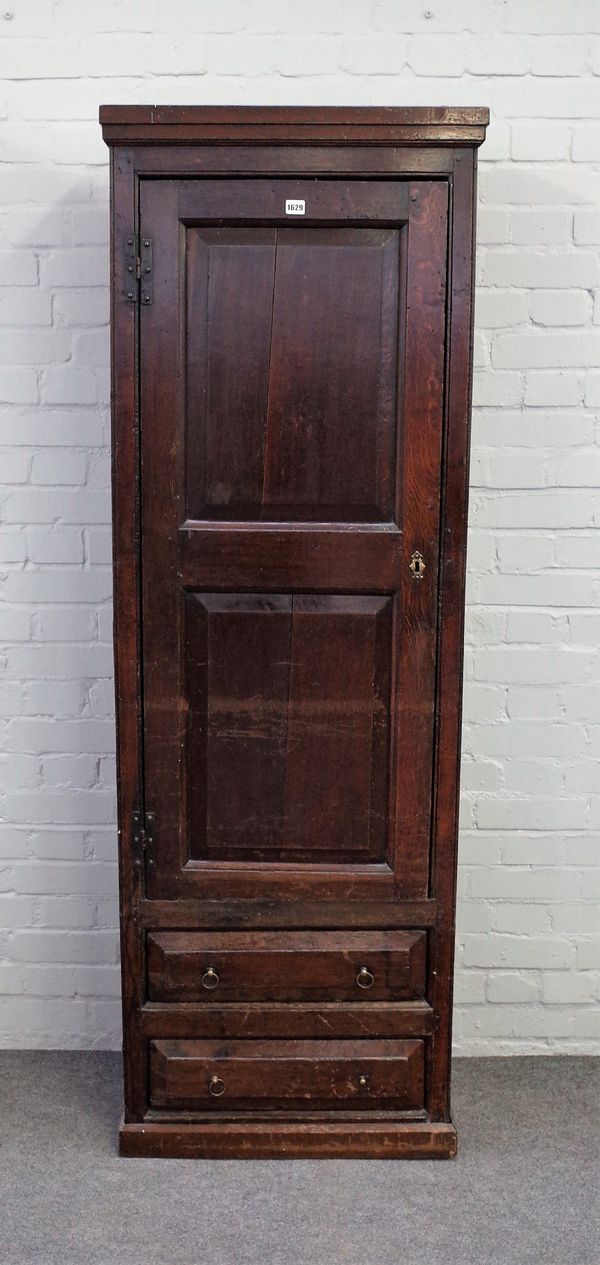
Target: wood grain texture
326,202
277,424
295,160
420,457
311,117
235,914
275,1141
329,448
286,966
451,625
127,622
416,125
287,1020
245,1075
324,776
291,460
288,726
319,557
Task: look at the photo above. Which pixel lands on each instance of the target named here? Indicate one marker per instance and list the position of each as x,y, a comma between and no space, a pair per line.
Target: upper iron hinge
138,269
143,836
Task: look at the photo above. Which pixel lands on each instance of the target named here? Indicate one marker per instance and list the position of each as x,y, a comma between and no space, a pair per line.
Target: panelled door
292,377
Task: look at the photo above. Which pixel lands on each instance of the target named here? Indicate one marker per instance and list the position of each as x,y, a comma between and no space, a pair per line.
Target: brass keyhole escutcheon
216,1086
417,565
365,978
210,979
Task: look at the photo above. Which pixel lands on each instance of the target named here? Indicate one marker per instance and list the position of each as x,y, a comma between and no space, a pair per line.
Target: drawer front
251,1075
286,966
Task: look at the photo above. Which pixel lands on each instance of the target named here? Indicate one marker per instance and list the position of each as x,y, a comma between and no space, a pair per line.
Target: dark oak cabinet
291,345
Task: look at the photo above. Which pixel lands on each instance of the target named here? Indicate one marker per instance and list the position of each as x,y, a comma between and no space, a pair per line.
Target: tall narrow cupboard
291,365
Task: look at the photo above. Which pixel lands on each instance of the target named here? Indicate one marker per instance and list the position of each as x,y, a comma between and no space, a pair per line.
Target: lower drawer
212,1075
202,966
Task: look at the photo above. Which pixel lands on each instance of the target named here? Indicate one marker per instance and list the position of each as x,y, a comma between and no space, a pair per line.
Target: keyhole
417,565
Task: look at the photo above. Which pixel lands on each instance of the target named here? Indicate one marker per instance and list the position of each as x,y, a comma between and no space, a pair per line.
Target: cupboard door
292,375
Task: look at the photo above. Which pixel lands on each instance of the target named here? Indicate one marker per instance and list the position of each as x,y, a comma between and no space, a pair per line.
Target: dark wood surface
444,838
283,1020
375,1140
309,117
319,1074
316,159
293,454
384,125
288,913
292,726
127,623
283,770
290,423
286,966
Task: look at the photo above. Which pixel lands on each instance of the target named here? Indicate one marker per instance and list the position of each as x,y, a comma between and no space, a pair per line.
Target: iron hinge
143,836
138,269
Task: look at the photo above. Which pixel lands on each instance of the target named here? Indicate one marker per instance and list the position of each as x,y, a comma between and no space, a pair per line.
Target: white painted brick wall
528,974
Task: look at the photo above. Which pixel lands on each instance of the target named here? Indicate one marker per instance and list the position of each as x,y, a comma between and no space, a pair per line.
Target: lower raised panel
252,1075
288,726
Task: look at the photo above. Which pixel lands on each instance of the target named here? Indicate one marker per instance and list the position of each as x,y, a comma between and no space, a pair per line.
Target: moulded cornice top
339,125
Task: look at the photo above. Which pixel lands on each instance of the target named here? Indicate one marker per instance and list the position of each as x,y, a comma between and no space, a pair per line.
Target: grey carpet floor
525,1189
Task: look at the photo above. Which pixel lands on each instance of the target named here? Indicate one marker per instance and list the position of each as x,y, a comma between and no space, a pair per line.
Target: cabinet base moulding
270,1141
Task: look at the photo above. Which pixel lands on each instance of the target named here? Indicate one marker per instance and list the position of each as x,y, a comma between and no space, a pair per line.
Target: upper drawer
286,965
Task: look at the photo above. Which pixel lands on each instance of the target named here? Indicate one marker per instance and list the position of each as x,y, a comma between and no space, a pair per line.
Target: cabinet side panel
126,618
451,624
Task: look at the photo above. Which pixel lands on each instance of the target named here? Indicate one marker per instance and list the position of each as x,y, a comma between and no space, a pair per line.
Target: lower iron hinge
143,836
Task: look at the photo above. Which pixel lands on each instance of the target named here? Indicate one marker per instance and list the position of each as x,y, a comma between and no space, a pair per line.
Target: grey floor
525,1189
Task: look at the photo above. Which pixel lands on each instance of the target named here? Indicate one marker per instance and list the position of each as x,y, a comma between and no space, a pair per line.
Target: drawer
286,966
250,1075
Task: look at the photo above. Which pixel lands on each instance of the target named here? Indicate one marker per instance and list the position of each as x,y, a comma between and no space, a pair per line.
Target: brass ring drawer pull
365,979
216,1086
210,979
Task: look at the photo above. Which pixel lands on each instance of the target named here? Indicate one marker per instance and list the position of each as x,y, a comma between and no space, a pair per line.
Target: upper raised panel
291,407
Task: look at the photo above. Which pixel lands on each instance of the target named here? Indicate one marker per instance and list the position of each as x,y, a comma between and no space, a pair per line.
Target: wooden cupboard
291,360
